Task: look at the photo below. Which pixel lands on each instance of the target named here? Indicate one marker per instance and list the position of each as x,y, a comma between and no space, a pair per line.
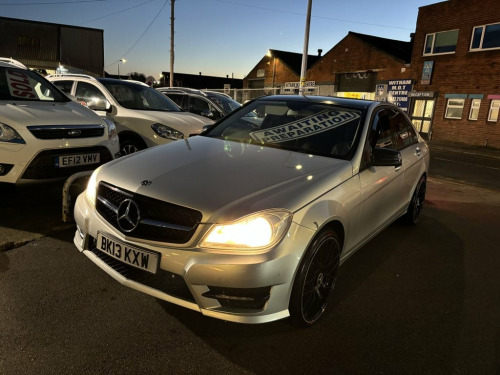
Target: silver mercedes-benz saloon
250,221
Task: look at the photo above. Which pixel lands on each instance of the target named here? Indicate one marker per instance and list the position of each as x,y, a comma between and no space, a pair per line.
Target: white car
143,117
44,135
249,222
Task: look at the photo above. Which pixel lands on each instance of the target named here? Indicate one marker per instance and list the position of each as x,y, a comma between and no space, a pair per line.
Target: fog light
5,168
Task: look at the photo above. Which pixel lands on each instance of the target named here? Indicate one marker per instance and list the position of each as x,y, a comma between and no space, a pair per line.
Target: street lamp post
123,61
270,54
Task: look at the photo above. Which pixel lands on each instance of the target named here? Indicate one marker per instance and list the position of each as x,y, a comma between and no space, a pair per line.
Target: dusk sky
218,37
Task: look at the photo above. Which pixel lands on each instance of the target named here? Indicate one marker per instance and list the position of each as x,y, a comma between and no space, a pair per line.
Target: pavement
462,148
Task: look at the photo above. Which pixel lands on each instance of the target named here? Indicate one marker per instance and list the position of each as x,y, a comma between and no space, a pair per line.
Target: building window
474,109
485,37
441,43
454,108
494,108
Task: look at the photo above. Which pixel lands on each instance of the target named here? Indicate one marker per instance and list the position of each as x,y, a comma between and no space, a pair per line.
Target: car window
198,104
227,104
21,84
302,126
133,96
64,86
88,93
177,99
392,130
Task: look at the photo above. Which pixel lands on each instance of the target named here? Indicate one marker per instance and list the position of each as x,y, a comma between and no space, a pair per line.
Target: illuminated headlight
91,191
111,128
7,134
256,231
167,132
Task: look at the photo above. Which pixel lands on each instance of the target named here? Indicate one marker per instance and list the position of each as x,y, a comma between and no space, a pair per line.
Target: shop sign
398,93
427,72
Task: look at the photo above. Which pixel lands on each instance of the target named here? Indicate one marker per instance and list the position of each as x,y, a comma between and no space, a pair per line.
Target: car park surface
284,202
44,135
144,118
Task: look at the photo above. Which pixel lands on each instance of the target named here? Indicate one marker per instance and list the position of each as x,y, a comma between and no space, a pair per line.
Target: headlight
255,231
167,132
111,128
7,134
91,191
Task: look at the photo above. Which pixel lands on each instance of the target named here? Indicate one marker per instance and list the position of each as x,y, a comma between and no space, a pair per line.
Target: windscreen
302,126
135,96
21,84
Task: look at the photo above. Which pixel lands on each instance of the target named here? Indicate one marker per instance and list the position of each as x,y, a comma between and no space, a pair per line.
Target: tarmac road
420,299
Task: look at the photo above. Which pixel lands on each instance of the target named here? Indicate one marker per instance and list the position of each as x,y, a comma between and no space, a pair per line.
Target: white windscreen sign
318,123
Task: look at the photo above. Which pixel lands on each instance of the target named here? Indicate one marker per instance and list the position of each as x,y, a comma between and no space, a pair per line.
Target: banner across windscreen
307,126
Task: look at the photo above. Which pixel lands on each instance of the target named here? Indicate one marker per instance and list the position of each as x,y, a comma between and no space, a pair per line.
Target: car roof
122,81
356,103
9,63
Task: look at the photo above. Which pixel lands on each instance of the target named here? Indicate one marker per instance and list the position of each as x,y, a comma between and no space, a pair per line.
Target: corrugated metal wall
44,45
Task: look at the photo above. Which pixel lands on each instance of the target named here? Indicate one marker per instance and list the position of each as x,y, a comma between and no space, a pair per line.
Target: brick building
366,67
456,65
277,71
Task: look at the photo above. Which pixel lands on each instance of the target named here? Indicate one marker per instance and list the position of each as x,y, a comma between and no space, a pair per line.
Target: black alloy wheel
417,203
315,279
129,146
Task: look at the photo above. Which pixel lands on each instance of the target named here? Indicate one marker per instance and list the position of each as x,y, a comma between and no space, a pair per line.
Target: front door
421,116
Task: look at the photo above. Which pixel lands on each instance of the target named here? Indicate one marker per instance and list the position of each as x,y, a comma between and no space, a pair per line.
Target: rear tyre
315,279
417,203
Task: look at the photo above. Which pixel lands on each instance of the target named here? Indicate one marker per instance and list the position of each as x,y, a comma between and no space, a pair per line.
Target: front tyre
417,203
130,145
315,279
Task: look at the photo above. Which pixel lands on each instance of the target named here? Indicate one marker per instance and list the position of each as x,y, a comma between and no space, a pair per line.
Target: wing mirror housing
385,157
101,105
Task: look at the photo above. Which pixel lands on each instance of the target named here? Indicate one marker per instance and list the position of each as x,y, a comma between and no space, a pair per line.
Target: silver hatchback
250,221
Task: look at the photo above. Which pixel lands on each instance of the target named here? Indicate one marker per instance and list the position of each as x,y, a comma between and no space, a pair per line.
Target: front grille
44,166
66,131
156,220
164,281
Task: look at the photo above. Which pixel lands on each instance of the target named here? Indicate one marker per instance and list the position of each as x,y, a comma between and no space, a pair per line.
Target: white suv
44,135
143,117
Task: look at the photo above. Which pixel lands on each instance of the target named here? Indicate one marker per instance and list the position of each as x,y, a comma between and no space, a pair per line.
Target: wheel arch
128,134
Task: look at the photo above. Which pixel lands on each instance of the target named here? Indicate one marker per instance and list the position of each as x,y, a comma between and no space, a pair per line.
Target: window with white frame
441,43
494,108
485,37
454,108
474,109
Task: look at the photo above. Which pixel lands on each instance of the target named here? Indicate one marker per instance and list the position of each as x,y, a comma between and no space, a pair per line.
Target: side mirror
385,157
100,105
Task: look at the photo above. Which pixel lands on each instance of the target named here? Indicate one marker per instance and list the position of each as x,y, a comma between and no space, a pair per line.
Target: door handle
397,168
418,151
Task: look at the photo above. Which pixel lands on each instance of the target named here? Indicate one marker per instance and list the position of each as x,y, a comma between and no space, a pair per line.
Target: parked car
143,117
283,204
44,135
210,104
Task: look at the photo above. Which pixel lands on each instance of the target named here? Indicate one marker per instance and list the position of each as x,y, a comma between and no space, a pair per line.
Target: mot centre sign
293,86
398,93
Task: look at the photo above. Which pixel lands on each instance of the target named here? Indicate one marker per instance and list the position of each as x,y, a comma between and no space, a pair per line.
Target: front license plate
75,160
140,258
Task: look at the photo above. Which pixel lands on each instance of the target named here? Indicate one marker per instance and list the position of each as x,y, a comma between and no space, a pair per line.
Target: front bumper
243,288
32,163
